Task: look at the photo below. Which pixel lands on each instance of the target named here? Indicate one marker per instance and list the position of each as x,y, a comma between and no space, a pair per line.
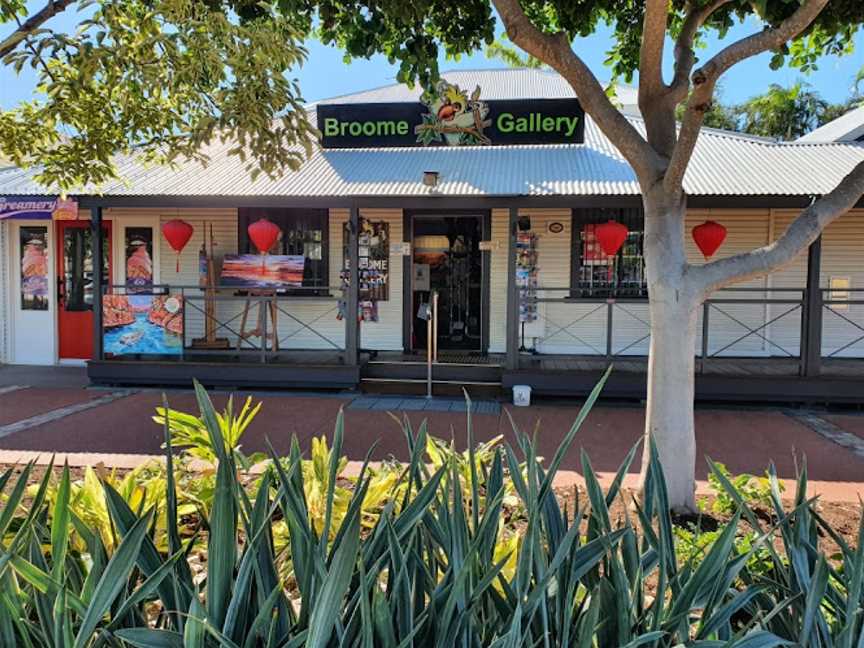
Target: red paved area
126,426
24,403
852,423
744,440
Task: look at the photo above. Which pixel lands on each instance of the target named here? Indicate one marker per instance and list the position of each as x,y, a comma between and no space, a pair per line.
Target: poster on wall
139,258
374,260
263,271
142,324
34,268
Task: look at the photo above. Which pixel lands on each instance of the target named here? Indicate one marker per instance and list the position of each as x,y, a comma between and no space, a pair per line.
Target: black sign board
491,123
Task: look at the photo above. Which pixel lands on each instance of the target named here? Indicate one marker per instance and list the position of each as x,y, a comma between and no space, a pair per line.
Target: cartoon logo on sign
454,118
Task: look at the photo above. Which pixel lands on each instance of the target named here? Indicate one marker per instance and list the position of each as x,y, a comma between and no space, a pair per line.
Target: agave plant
441,562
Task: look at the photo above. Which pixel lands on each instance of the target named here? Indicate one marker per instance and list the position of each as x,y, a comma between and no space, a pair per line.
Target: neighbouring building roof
846,128
724,163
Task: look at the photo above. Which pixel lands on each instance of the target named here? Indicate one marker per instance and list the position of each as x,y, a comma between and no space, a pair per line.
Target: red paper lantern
177,232
709,236
263,234
611,236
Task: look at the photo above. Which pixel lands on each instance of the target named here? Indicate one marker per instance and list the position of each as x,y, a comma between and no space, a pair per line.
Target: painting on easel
262,272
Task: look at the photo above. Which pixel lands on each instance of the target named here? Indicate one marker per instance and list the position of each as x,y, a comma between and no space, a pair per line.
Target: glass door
75,286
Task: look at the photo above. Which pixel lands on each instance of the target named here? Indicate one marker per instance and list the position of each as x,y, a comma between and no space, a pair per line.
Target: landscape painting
267,271
142,324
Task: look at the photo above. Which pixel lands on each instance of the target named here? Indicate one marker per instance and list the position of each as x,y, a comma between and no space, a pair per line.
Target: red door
75,285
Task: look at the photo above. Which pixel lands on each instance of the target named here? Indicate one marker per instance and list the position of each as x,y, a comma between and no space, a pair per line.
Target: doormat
403,404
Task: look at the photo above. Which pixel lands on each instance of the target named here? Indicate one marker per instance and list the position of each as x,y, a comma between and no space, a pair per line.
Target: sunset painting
273,271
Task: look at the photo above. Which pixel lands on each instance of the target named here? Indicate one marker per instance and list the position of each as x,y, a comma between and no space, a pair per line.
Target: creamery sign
451,117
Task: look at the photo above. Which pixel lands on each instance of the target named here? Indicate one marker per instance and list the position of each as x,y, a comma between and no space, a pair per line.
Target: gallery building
493,195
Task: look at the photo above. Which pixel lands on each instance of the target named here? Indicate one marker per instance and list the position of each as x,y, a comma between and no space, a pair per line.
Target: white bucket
521,395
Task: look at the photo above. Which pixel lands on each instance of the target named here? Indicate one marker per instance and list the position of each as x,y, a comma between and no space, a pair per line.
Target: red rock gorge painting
142,324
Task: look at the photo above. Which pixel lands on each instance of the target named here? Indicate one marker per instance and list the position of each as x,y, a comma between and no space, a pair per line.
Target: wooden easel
258,331
210,341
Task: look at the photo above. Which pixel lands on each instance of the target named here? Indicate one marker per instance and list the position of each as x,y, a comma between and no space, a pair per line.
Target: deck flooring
744,367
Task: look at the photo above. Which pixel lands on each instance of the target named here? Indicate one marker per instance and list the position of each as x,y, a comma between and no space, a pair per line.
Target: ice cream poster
34,268
142,324
139,256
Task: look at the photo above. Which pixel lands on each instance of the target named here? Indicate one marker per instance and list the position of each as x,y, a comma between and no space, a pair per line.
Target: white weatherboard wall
842,257
5,289
579,328
498,282
729,324
32,334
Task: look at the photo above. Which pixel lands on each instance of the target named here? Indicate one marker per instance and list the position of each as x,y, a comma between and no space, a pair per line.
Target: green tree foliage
786,113
160,79
505,52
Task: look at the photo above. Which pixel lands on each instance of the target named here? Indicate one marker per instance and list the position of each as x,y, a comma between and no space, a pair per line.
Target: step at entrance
409,377
486,374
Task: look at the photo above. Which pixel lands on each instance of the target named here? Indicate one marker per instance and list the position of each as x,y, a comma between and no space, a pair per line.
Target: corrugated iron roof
848,127
723,164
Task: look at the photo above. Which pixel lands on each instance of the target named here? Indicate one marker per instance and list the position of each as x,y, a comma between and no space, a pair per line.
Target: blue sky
326,75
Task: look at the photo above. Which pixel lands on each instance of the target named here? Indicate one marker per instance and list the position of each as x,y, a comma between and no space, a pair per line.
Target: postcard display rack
374,258
530,321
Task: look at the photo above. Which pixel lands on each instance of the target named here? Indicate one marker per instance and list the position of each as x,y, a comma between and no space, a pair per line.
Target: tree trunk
671,359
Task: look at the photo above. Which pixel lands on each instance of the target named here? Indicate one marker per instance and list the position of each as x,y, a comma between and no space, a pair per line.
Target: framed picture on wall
34,267
374,261
138,254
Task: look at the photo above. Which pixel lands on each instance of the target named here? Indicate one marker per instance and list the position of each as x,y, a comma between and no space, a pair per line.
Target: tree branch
800,234
685,58
555,50
651,84
33,23
705,80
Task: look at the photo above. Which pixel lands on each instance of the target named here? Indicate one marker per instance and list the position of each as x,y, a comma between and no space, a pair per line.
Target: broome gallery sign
450,117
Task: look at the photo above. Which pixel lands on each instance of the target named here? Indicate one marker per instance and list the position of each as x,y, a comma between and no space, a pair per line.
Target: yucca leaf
759,639
266,612
150,638
13,501
221,539
114,579
328,602
721,616
815,594
194,632
567,441
60,525
150,585
332,470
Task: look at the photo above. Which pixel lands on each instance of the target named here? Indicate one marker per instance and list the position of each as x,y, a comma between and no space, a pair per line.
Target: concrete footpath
115,427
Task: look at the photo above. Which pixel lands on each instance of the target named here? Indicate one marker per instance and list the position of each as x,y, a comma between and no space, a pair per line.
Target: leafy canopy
413,34
161,79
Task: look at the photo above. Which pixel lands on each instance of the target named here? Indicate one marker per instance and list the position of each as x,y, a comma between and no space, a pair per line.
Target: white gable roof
724,163
846,128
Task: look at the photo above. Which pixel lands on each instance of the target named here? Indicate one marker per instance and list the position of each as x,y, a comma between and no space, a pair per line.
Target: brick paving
746,440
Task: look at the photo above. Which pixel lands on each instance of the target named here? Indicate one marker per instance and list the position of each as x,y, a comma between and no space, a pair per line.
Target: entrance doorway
75,286
447,259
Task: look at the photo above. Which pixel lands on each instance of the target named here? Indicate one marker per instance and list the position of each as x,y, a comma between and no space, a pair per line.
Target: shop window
595,274
304,232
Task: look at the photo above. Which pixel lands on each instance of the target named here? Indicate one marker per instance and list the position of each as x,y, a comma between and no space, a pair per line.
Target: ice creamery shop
491,206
